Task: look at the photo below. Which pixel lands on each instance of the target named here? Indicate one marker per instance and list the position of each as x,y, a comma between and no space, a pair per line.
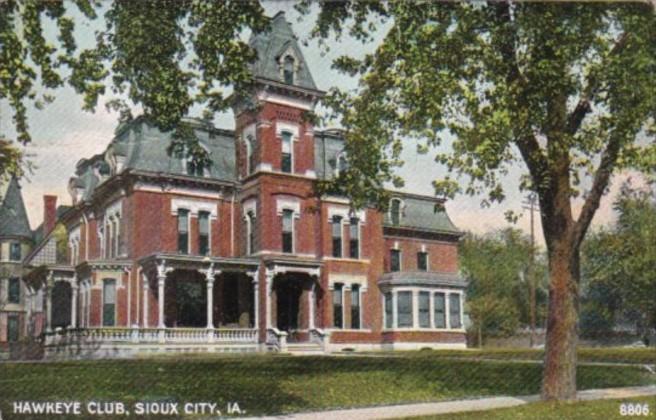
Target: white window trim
293,139
194,206
360,320
424,249
415,309
396,248
249,206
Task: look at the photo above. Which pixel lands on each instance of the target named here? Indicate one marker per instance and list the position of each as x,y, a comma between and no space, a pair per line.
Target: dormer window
195,168
395,211
288,70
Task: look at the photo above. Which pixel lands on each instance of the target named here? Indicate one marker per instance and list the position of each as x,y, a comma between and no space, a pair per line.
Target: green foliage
164,56
498,267
619,265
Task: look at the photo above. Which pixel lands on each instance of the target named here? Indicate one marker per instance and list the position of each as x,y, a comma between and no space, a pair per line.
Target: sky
63,134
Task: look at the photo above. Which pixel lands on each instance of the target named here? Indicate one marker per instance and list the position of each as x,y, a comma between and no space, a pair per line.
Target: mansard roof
422,213
140,146
13,217
275,44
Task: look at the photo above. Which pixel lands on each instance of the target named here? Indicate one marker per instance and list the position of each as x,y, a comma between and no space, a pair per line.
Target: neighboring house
16,240
241,255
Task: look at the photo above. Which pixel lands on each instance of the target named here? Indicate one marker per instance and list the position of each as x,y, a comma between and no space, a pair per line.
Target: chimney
49,213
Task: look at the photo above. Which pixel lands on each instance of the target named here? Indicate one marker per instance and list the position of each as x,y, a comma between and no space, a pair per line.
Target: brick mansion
160,253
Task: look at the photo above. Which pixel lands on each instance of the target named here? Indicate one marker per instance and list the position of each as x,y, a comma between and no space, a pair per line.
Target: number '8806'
634,409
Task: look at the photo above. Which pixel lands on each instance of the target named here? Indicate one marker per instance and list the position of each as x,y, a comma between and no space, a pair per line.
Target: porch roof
200,261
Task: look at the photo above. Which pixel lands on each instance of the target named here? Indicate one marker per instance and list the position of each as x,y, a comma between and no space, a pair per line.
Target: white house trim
194,206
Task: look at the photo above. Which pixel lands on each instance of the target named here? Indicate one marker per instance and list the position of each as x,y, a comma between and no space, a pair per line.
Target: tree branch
599,184
583,107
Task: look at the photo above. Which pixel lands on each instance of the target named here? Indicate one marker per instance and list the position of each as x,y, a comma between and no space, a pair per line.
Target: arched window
395,211
288,70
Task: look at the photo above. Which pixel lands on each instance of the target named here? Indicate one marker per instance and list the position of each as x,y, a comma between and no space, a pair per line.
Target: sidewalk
423,409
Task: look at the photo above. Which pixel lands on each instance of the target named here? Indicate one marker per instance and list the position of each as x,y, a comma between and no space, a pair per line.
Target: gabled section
13,217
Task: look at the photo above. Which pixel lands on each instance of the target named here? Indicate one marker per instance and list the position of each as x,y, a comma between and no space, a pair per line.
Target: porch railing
276,340
150,335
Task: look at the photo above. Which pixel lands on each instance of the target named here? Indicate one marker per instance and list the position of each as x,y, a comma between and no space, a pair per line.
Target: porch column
162,271
49,286
312,310
74,289
209,277
256,298
268,277
146,289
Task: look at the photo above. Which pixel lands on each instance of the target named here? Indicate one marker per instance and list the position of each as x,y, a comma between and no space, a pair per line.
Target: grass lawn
585,354
269,384
601,409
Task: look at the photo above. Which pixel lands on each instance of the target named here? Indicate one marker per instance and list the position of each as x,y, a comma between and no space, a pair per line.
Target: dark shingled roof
13,217
271,45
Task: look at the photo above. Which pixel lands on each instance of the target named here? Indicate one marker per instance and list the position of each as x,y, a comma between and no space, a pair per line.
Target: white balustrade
152,335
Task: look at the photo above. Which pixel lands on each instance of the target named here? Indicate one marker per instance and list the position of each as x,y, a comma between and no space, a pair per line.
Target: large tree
564,90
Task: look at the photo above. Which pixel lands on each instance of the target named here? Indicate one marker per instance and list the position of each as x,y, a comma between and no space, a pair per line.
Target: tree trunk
559,378
480,336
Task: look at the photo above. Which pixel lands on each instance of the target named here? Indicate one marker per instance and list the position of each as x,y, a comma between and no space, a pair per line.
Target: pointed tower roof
273,47
13,217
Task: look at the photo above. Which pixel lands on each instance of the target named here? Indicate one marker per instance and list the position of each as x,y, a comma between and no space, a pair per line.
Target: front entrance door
288,294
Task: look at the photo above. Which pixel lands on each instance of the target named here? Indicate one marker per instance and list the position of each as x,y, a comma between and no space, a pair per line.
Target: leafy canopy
562,87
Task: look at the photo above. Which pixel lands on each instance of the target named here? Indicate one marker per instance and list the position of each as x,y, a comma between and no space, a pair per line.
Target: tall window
342,164
109,302
203,233
250,152
15,251
13,292
12,328
287,231
288,70
395,260
338,320
183,231
454,310
389,311
404,309
251,232
286,157
439,313
395,211
337,236
422,261
355,307
354,238
424,309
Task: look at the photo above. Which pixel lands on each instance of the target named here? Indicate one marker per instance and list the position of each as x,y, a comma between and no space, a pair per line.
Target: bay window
15,251
424,310
389,311
439,310
454,311
404,309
